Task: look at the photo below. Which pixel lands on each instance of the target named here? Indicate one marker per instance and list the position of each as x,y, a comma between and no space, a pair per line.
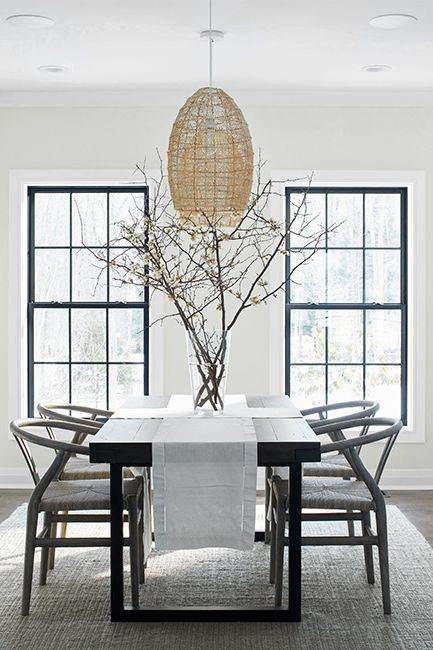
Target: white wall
290,138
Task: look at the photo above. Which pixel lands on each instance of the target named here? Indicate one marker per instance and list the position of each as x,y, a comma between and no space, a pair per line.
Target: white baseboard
17,478
407,479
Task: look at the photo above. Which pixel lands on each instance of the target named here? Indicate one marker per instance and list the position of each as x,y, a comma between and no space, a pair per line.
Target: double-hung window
87,333
346,309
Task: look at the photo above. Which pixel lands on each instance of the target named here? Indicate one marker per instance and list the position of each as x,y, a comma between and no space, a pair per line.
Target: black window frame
402,306
108,305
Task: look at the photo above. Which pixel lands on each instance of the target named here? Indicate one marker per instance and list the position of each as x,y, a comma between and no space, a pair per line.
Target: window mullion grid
70,354
70,299
30,360
288,261
146,319
31,299
288,318
326,300
107,314
403,301
345,363
70,305
107,366
401,307
146,350
364,300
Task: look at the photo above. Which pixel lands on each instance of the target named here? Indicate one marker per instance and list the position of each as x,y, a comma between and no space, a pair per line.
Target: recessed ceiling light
30,21
377,68
392,21
52,68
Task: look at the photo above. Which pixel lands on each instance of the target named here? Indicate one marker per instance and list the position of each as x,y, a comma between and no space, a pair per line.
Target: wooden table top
280,441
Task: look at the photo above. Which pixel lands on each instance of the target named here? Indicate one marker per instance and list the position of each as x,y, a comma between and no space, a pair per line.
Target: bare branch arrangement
211,273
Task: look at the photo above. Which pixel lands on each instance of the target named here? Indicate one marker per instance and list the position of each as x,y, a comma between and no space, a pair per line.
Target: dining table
284,440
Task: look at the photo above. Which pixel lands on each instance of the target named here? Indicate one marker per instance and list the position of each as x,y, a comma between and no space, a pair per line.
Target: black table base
120,612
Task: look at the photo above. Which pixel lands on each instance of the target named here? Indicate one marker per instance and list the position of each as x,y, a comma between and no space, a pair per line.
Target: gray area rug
340,609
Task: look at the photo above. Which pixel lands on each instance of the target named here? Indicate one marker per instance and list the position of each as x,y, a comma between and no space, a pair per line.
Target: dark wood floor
418,508
416,505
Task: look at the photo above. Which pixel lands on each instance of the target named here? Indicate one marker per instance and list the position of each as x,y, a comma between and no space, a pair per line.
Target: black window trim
32,305
402,306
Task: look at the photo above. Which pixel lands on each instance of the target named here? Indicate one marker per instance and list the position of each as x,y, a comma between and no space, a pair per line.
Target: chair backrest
24,434
385,429
84,415
362,409
28,457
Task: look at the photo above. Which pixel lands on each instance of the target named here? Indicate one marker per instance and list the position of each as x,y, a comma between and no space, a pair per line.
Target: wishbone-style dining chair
84,414
332,464
60,500
78,468
336,464
351,500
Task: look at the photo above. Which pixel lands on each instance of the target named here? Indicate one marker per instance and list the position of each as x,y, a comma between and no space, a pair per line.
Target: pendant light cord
210,45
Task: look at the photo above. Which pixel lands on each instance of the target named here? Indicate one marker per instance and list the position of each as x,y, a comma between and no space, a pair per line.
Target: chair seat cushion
331,465
84,495
330,494
78,468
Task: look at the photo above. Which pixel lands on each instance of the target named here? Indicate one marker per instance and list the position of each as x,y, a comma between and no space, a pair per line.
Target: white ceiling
270,45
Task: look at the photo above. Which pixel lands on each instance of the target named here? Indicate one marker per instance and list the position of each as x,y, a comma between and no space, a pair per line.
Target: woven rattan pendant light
210,156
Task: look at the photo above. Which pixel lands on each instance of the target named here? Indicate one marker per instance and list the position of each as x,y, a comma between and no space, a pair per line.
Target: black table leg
120,612
116,550
295,483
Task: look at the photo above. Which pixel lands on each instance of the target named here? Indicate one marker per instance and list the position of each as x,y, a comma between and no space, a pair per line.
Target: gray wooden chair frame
56,411
88,417
368,409
368,538
45,538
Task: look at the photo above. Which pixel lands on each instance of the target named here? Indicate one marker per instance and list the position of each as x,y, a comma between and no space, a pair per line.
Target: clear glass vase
208,357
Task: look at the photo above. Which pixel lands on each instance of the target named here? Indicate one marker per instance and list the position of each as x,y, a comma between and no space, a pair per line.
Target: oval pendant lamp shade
210,160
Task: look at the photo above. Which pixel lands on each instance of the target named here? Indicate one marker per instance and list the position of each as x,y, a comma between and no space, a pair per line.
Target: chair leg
64,526
350,526
382,535
134,554
268,478
52,550
368,549
350,523
273,539
279,549
45,551
29,557
141,545
63,531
